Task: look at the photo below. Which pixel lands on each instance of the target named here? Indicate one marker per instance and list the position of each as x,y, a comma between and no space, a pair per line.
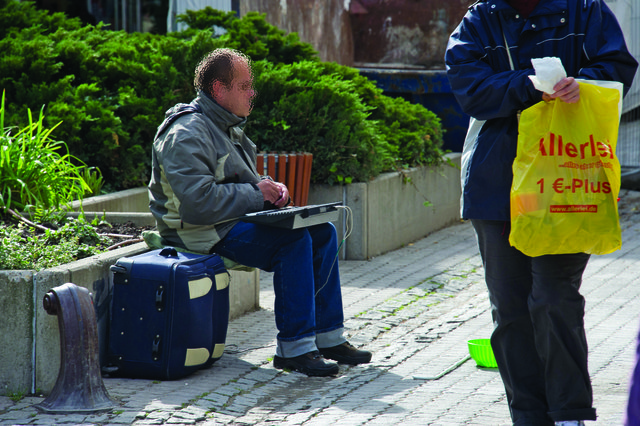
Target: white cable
348,221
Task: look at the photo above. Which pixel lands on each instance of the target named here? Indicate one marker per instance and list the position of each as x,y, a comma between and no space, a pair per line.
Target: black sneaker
311,364
346,354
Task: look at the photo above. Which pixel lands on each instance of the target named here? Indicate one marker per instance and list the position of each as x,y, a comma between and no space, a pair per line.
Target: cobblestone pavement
415,308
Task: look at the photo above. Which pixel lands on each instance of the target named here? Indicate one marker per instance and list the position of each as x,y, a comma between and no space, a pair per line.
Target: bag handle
168,252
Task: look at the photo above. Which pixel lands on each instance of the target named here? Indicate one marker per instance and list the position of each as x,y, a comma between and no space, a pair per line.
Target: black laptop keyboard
304,211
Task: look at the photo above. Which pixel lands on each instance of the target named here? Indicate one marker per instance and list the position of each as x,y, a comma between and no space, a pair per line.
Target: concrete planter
388,213
29,337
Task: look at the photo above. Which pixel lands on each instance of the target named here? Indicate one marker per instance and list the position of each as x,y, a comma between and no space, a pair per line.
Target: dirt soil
131,230
118,233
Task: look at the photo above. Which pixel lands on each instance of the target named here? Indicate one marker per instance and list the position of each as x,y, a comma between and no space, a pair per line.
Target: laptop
296,217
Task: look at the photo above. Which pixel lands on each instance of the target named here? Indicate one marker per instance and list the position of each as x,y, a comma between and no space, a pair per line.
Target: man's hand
274,192
567,90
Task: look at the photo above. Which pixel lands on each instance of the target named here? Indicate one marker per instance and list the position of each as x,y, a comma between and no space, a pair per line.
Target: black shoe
346,354
311,364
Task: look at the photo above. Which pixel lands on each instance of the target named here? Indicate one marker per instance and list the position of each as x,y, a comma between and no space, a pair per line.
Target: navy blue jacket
584,34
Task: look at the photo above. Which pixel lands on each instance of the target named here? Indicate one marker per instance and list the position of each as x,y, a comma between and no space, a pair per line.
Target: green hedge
109,89
330,110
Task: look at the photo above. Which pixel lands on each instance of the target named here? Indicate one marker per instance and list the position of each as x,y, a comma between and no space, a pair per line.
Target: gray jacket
203,176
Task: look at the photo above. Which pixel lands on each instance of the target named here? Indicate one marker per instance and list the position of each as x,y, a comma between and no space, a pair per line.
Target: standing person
204,176
538,312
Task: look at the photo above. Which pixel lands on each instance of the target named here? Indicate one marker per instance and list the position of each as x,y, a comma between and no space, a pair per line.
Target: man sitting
204,177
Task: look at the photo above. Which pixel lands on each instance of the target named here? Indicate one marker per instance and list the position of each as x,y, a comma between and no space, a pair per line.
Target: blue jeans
306,280
539,339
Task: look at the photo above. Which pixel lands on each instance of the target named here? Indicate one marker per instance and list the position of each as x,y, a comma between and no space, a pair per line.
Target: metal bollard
79,387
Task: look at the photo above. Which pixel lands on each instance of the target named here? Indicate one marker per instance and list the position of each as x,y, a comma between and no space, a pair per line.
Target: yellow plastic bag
566,176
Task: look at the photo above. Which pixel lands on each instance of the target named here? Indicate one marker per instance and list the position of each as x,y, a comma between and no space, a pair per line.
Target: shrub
109,89
107,92
301,110
330,110
252,35
413,131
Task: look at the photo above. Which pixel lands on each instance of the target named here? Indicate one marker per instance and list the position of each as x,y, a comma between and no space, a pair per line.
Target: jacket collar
545,7
548,7
220,116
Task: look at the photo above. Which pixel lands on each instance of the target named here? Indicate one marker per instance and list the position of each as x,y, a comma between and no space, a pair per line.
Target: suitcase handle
118,268
159,297
169,251
155,348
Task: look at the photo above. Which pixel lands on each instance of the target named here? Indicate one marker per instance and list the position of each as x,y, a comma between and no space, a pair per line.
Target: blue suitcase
169,314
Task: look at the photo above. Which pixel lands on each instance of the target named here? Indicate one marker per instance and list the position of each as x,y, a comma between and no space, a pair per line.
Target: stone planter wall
388,213
30,338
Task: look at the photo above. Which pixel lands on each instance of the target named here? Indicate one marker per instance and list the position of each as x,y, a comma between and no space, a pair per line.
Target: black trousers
539,339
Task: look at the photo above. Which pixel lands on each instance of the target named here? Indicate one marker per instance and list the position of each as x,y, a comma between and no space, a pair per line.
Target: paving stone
127,417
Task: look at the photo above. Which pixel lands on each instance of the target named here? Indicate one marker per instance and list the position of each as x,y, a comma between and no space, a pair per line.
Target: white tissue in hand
549,71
